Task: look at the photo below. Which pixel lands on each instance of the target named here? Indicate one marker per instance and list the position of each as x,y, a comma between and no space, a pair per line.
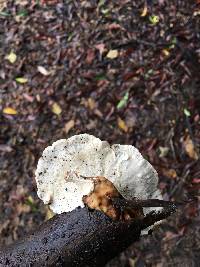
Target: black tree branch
79,238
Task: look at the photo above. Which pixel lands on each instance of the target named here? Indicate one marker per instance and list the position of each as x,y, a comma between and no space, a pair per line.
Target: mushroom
69,168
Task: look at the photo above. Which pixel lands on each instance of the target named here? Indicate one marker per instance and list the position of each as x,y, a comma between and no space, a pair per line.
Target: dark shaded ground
157,68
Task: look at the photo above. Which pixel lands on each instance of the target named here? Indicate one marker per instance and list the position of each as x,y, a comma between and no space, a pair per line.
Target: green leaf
123,102
21,80
105,11
101,3
12,57
4,14
70,36
173,43
154,19
100,77
22,13
174,40
187,112
30,202
148,73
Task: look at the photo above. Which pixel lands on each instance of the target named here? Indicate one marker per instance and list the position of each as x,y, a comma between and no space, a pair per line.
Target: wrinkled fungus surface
66,171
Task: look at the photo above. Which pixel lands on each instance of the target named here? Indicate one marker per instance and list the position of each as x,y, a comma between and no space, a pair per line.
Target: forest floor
125,71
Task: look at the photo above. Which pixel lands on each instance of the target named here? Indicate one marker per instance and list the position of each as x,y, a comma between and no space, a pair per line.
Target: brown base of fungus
101,198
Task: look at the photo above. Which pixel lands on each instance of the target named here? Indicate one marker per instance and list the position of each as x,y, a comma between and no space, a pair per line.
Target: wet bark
78,238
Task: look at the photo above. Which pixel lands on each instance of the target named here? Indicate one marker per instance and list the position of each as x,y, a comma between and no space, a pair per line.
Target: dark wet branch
146,203
79,238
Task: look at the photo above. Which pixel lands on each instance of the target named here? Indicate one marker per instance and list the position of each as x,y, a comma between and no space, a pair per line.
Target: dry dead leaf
171,173
91,103
91,125
28,97
196,181
132,262
38,98
3,4
122,125
101,48
98,113
5,148
169,235
190,148
21,2
43,71
144,12
22,208
56,109
9,111
197,12
90,56
69,125
4,225
163,151
166,52
113,26
112,54
49,214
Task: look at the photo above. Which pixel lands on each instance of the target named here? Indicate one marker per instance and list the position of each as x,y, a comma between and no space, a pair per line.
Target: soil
125,71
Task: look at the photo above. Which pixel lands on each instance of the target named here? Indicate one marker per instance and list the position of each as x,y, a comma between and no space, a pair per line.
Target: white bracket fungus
65,169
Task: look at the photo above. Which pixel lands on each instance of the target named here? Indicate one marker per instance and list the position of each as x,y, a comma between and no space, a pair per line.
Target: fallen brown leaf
28,97
113,26
69,125
43,71
91,103
90,56
144,12
171,173
122,125
5,148
49,214
190,148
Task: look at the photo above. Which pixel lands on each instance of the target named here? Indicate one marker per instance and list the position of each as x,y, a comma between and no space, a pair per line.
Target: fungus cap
64,171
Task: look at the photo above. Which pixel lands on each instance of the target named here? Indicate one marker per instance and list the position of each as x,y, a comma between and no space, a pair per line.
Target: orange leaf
144,12
122,125
171,173
190,148
91,103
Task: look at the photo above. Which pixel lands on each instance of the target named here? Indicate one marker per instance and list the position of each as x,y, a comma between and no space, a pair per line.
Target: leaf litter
156,62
